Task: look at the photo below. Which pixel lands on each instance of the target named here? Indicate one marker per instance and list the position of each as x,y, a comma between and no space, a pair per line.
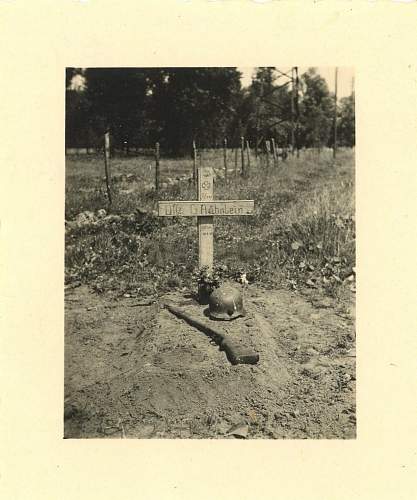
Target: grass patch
302,232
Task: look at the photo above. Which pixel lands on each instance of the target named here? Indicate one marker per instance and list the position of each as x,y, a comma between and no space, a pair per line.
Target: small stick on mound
235,353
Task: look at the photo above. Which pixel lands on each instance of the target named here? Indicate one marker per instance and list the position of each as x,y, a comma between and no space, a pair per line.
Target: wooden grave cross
205,208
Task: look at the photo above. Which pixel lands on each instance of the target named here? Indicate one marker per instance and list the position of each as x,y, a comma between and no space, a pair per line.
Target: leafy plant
302,233
208,280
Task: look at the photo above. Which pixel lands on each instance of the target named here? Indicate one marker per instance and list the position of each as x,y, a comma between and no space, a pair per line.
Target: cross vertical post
205,223
205,209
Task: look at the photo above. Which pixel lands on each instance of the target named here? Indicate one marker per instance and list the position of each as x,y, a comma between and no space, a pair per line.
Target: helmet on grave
226,303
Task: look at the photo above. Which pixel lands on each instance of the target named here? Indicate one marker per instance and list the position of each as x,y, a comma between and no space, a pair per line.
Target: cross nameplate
204,209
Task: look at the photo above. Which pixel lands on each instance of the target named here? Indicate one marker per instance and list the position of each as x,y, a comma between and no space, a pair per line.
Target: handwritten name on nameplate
205,208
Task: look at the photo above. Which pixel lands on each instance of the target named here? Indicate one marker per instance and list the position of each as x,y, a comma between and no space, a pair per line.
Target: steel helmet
226,303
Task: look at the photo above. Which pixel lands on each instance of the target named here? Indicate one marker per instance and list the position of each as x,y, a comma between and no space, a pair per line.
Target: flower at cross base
243,279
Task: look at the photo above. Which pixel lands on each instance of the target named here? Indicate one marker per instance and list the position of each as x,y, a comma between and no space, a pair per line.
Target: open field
302,232
134,370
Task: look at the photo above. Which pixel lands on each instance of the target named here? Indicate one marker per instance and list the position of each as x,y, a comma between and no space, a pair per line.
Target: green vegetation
301,235
176,106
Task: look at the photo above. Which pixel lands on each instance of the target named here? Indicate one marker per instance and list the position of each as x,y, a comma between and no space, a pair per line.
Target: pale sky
344,78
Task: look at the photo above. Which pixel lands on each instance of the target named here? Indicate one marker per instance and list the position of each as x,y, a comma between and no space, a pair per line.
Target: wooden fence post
107,164
157,167
242,156
268,151
248,154
225,159
194,163
274,152
236,162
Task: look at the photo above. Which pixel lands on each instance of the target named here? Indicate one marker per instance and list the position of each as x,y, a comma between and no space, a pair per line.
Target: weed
301,234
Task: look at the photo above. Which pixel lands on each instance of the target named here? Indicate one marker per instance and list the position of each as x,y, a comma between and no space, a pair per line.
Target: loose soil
134,370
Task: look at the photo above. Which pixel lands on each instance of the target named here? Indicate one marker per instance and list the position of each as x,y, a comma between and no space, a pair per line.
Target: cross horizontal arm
205,208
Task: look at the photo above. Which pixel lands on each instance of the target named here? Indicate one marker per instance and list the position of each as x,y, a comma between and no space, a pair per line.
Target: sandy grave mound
139,371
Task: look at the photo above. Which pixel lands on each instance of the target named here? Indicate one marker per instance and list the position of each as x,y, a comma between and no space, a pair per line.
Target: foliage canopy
177,106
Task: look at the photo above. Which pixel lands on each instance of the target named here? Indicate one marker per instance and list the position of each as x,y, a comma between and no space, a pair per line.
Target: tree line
176,106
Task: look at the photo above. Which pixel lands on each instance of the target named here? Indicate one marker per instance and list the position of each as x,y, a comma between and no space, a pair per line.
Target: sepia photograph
206,248
210,253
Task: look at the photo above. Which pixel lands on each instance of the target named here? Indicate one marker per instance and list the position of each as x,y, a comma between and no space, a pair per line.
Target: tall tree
77,132
117,97
193,104
69,74
316,110
77,106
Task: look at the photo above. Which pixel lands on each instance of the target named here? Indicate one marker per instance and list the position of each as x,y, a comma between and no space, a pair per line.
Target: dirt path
140,372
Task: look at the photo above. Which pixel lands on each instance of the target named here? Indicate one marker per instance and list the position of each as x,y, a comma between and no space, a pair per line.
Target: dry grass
303,230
